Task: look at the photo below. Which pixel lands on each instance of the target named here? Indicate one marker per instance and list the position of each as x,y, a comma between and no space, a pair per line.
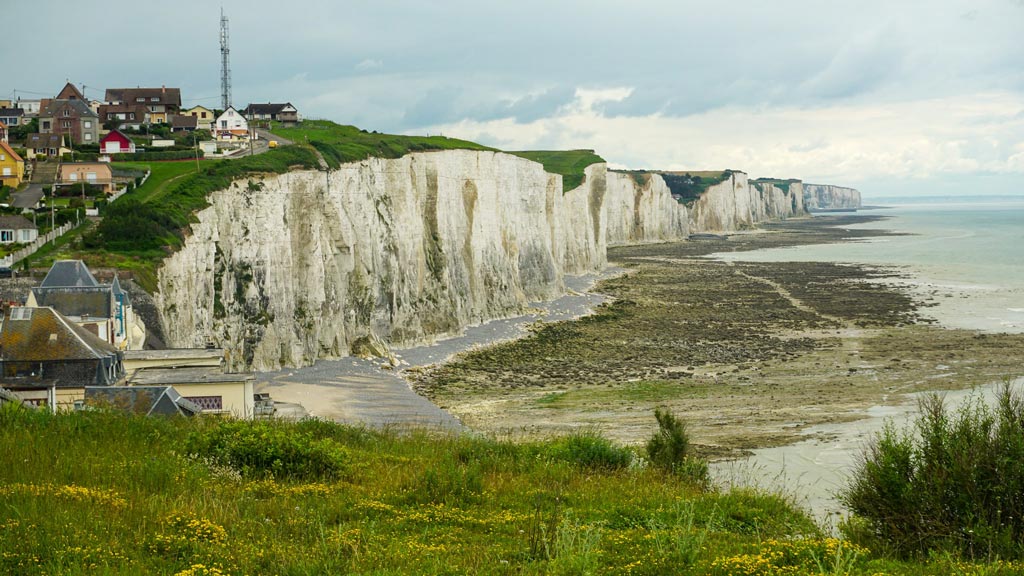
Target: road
27,198
260,145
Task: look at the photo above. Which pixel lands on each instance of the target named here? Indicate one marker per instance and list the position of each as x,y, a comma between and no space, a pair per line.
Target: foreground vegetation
104,493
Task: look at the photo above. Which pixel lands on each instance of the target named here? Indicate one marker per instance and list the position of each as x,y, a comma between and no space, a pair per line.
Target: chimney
163,89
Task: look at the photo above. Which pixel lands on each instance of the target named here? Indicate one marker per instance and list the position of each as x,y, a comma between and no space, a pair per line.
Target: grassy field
161,175
340,144
103,493
569,163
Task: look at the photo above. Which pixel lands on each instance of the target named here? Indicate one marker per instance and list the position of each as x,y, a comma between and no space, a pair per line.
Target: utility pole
195,142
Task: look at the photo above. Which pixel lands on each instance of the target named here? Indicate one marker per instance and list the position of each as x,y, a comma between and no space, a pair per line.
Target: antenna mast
225,68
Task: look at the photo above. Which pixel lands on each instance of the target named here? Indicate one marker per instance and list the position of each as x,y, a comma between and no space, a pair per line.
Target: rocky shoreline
749,353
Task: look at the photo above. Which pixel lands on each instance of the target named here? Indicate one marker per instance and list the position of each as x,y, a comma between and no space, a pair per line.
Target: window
74,177
91,176
88,135
154,99
131,116
7,236
223,123
110,116
7,171
67,112
208,402
140,99
88,124
4,157
204,114
46,124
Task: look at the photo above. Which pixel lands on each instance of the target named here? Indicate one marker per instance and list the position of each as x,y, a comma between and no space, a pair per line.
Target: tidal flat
749,354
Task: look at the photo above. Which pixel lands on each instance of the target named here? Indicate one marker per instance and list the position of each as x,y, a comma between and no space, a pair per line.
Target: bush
268,449
669,449
955,485
591,450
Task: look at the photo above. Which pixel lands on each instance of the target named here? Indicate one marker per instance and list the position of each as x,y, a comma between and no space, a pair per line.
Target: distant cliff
738,203
285,269
826,197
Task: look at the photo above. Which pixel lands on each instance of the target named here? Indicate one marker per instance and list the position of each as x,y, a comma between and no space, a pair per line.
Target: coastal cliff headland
281,270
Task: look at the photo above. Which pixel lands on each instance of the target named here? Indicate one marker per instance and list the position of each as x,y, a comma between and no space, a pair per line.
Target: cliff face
306,265
826,197
641,209
738,203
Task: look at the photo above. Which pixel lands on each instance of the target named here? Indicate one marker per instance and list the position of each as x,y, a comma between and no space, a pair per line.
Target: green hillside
340,144
569,163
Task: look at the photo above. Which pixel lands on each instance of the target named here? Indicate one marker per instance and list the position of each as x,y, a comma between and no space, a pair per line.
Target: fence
11,259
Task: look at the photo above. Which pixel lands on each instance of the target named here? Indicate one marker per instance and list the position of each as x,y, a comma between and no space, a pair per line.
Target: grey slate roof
11,112
80,107
187,375
129,95
148,400
265,108
37,141
43,334
16,222
68,273
184,121
81,301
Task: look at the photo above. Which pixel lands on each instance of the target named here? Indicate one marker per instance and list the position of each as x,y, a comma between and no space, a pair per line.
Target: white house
17,229
231,126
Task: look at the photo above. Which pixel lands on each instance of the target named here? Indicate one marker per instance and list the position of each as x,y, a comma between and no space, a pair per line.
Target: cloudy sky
893,97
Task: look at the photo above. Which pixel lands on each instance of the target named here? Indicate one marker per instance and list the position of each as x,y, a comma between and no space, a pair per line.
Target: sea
966,255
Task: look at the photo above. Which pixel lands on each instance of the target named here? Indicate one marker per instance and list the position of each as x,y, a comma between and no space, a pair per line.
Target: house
70,92
117,142
29,107
12,166
93,173
46,359
160,103
211,388
183,123
105,310
231,126
11,116
204,117
142,400
17,228
123,116
73,118
51,145
285,113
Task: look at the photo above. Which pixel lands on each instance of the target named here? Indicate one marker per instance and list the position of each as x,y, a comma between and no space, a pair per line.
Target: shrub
953,483
669,449
591,450
268,449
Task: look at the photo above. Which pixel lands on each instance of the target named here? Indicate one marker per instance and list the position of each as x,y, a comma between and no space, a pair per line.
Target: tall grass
100,492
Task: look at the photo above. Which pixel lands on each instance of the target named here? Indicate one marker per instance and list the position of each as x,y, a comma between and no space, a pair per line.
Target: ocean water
967,256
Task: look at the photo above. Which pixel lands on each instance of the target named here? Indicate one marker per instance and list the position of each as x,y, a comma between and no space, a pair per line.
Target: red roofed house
116,142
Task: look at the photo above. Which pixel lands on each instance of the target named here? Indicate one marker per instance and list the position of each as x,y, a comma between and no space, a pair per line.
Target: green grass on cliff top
569,163
339,144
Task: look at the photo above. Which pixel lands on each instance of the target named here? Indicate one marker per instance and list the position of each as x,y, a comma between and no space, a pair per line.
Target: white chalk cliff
827,197
738,203
285,269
